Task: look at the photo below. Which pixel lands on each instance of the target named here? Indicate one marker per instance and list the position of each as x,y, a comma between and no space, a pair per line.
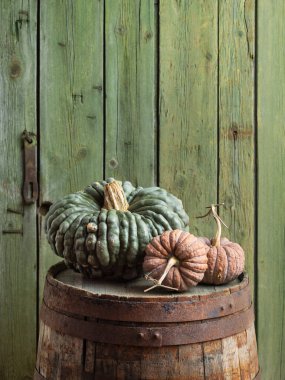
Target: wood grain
244,356
18,258
71,102
188,105
132,350
213,360
237,124
130,69
271,185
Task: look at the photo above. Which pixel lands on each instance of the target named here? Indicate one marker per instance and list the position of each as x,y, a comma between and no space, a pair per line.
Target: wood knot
15,69
113,163
121,30
147,36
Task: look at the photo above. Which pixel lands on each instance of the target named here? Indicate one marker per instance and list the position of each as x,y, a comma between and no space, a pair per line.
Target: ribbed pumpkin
103,230
176,260
225,258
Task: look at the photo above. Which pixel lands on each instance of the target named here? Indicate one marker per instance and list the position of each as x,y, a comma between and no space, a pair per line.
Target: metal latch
30,188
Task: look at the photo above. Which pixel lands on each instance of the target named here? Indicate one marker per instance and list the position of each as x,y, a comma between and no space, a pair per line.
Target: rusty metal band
38,376
84,376
74,301
150,336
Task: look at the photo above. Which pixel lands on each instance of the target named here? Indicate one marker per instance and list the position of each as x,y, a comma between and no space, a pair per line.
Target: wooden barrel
104,331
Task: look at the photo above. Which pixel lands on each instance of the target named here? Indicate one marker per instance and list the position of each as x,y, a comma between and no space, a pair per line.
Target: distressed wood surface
188,105
71,103
271,185
18,292
236,123
61,355
157,92
130,69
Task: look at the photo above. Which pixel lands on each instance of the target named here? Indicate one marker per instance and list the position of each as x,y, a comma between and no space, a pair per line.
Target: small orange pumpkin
175,260
225,258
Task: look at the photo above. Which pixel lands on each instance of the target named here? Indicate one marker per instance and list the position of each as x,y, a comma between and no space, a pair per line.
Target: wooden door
185,94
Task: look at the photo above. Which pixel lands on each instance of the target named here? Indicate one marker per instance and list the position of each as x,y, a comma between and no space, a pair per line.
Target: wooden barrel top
70,292
106,311
134,289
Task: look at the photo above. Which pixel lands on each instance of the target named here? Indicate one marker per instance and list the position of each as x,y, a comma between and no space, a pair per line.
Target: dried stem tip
216,241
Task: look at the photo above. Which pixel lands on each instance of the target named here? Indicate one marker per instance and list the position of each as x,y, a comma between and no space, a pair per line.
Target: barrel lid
70,292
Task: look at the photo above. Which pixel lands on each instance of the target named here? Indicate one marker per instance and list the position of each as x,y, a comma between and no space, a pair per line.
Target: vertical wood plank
213,360
244,348
231,370
190,361
71,102
271,185
18,293
131,90
236,123
188,105
252,349
90,357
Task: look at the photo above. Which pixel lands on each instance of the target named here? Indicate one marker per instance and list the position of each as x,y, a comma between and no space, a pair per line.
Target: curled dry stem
216,241
158,283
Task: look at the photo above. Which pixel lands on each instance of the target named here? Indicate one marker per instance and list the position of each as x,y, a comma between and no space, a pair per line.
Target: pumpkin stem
216,241
158,283
114,197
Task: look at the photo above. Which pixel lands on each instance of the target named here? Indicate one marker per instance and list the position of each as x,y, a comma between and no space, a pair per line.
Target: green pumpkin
103,230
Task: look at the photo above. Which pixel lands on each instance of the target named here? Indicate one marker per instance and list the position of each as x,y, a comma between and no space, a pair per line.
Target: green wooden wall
186,94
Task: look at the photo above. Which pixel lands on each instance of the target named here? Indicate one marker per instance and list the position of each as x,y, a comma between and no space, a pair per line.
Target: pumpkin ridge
151,228
144,235
158,227
159,219
216,261
197,268
197,277
165,241
170,216
181,238
133,245
175,238
68,243
113,241
212,261
59,237
156,244
102,252
232,263
94,194
124,231
182,253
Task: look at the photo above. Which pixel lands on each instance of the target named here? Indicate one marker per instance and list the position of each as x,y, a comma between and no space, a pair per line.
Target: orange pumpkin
175,260
225,258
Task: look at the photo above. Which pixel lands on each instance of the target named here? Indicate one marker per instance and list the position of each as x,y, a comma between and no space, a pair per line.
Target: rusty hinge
30,188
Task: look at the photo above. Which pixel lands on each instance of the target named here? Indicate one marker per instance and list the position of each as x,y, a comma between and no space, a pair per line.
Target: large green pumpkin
103,230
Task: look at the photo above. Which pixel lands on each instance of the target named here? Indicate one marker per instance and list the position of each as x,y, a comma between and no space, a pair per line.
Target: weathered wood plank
236,123
131,91
188,105
244,355
231,370
18,293
71,102
271,185
252,349
213,360
191,362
